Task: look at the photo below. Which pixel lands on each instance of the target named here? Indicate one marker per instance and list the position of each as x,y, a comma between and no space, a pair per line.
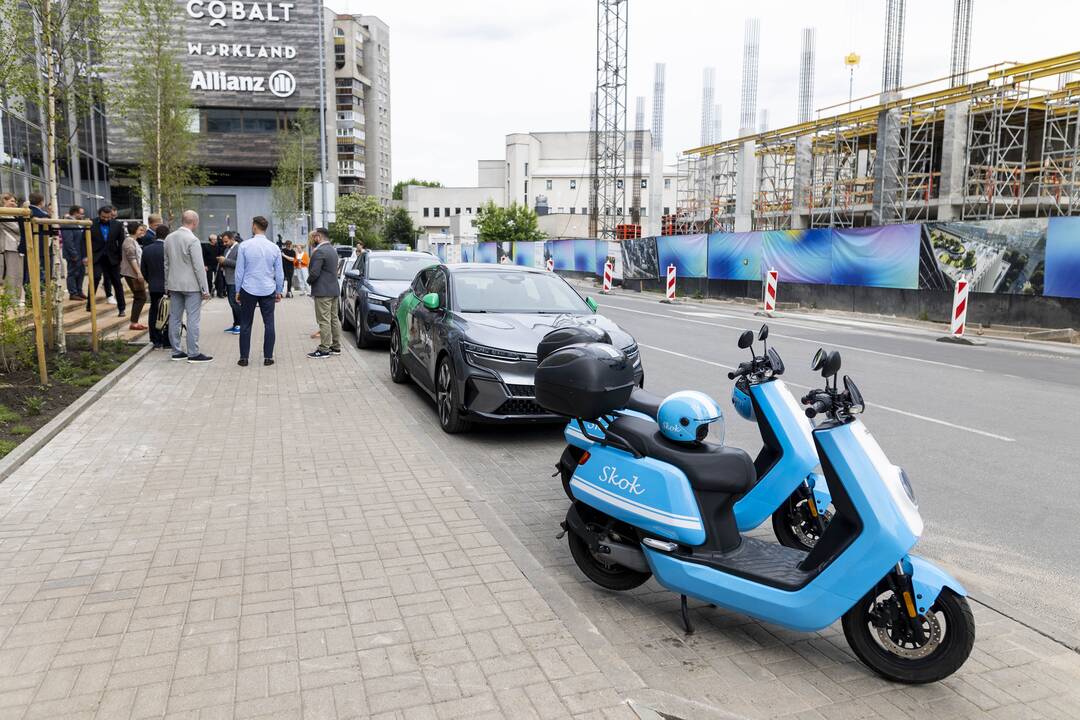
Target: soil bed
26,406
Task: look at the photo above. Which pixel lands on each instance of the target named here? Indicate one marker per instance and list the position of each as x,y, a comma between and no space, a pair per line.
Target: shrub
34,404
16,345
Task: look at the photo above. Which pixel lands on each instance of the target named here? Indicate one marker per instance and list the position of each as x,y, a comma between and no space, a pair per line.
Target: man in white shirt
260,280
185,280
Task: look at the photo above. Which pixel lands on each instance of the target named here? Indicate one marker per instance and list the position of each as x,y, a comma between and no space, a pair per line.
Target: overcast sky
467,73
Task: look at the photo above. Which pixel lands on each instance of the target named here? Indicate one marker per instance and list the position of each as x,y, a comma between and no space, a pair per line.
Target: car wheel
363,340
346,324
450,419
398,373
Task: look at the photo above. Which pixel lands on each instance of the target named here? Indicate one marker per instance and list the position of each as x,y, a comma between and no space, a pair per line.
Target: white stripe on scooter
638,505
619,502
946,423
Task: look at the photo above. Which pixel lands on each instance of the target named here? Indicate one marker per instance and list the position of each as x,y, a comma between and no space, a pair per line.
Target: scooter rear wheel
606,575
949,634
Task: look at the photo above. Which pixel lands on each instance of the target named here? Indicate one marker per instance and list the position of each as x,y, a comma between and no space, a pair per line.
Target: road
990,436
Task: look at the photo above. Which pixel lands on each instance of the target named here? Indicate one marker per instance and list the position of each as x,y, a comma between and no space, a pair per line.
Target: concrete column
800,201
953,181
745,187
886,187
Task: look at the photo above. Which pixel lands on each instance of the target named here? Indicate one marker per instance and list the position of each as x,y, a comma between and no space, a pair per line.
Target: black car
371,282
467,334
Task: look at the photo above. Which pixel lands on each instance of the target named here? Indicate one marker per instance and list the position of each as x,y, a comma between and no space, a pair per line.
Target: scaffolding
908,174
997,153
776,186
1058,189
841,172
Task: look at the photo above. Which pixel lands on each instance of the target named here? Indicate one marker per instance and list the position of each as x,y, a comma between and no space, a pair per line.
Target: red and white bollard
772,279
959,309
670,293
609,272
551,264
958,321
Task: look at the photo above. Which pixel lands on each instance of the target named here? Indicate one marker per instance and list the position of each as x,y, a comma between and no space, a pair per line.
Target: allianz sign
280,83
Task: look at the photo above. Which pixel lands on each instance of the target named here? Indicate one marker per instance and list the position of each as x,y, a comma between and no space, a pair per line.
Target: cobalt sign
252,54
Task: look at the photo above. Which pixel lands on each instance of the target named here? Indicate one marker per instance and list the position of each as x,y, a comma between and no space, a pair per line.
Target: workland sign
252,54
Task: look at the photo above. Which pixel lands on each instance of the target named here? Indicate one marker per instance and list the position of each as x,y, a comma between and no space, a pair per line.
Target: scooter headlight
905,482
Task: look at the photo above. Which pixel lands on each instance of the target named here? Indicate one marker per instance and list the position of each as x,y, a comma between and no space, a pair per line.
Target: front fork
904,612
805,492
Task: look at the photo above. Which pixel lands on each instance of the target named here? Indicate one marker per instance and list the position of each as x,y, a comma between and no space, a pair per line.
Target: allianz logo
610,475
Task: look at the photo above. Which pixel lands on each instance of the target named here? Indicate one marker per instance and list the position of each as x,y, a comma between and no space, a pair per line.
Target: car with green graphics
467,335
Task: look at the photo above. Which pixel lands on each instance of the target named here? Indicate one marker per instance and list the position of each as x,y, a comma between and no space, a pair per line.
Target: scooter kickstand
687,625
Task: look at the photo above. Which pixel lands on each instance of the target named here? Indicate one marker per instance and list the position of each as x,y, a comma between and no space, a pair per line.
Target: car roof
468,267
401,253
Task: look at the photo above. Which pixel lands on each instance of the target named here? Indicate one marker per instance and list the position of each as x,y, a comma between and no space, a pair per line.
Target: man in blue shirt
260,281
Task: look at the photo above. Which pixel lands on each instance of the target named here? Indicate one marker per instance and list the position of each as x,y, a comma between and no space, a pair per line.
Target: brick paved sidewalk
185,550
215,541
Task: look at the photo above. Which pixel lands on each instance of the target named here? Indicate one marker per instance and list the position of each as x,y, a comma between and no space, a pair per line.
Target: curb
29,447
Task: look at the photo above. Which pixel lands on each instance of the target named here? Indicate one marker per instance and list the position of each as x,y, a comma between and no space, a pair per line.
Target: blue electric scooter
651,503
789,490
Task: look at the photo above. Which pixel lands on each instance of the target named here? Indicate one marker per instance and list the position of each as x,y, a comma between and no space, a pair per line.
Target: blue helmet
685,416
740,398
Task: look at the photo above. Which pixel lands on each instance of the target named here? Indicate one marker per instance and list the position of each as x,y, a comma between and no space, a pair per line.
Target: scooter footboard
811,607
927,580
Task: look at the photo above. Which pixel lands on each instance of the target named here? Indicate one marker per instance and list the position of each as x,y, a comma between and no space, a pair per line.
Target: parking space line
917,416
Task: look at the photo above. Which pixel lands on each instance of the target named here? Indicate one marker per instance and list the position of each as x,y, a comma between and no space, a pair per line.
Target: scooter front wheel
880,636
606,575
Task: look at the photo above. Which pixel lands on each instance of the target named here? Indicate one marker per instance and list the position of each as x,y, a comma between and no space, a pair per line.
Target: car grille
521,391
521,407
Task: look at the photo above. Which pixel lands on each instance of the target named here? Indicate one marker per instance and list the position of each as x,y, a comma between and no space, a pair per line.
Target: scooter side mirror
857,402
746,339
763,333
819,360
832,365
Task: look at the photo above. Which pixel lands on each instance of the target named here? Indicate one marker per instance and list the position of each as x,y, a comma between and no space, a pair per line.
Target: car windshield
515,292
399,267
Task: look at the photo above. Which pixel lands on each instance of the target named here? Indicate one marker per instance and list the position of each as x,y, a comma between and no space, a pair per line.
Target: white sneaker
111,300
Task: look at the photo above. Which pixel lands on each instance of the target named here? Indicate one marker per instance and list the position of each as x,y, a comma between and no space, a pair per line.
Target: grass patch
85,381
20,430
6,446
7,414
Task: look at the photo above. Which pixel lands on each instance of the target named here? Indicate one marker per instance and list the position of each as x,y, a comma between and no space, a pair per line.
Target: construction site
992,142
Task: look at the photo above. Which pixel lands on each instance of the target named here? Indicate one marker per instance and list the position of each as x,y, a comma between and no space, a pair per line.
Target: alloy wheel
445,395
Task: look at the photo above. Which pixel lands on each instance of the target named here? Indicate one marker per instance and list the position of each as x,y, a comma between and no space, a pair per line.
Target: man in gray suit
185,280
322,277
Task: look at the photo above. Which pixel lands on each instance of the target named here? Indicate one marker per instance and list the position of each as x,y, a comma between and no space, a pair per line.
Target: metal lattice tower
708,77
892,66
639,151
763,120
806,74
961,41
658,107
751,52
716,126
609,165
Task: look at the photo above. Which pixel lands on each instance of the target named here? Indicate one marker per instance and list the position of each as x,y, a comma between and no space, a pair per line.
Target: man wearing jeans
260,280
322,276
185,280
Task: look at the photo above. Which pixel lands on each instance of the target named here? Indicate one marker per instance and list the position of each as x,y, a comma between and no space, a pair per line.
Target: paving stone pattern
302,541
266,542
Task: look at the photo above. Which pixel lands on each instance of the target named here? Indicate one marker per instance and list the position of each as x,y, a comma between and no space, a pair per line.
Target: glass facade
83,169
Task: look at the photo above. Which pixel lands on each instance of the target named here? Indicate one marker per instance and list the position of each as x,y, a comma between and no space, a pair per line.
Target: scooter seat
644,402
710,467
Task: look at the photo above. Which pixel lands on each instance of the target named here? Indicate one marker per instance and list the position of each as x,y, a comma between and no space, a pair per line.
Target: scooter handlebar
816,407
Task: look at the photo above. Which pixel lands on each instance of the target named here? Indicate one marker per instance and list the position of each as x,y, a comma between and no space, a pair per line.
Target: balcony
351,169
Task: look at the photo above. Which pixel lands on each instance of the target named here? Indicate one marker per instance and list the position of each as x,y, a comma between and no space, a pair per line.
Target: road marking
799,339
917,416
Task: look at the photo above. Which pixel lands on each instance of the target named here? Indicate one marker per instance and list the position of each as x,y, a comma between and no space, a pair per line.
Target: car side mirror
352,274
591,303
746,339
431,301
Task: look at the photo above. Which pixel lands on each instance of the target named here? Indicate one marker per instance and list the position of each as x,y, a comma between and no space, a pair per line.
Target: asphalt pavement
988,434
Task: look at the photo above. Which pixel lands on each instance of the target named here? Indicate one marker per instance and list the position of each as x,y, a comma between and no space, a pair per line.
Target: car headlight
380,299
476,352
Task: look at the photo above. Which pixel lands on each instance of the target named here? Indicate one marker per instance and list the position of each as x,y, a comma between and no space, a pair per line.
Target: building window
457,211
561,210
426,212
573,211
644,183
667,183
667,211
584,211
468,211
643,212
619,185
447,212
436,212
573,184
526,169
547,184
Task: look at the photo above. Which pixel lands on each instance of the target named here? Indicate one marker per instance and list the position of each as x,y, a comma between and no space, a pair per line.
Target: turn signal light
584,458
